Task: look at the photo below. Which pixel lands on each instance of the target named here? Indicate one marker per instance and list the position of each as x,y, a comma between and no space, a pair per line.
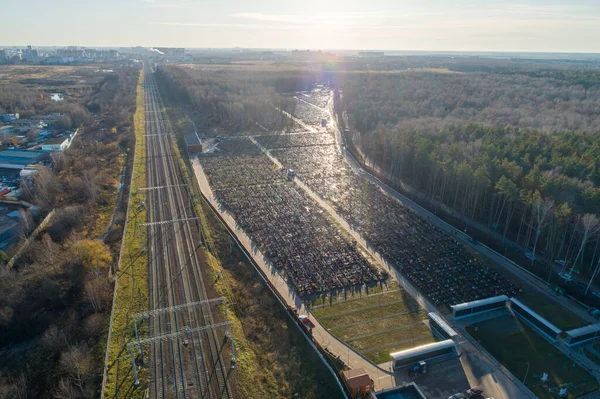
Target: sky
427,25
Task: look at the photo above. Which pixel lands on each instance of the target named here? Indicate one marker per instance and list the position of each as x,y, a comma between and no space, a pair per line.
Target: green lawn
378,324
553,312
516,345
591,356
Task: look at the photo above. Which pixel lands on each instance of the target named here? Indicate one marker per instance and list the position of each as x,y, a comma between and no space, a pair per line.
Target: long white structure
479,306
440,326
582,334
534,319
424,352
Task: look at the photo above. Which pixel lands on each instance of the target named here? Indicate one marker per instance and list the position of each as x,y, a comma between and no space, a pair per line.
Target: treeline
429,102
467,141
233,98
55,303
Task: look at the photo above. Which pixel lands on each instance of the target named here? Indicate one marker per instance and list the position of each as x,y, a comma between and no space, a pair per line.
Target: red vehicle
306,321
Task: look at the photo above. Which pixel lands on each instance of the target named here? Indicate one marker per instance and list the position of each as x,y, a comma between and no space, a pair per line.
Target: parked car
565,276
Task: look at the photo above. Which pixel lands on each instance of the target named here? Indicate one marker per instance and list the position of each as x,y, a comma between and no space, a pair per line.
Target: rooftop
56,140
21,157
410,391
191,139
357,378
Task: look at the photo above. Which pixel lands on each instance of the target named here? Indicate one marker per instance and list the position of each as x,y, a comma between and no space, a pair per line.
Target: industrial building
56,144
438,325
482,305
12,162
534,319
425,352
358,382
192,142
582,335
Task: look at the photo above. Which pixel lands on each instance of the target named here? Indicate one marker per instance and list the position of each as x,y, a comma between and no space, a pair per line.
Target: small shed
358,382
192,142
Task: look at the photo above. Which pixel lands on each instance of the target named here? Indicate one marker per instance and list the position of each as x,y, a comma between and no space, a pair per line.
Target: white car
565,276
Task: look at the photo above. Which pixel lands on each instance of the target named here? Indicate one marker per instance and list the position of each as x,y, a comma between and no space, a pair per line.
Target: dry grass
378,324
28,74
132,285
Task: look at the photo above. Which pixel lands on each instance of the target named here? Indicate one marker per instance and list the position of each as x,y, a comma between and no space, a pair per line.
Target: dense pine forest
518,152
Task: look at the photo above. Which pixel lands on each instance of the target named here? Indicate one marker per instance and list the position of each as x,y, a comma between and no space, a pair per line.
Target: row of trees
537,188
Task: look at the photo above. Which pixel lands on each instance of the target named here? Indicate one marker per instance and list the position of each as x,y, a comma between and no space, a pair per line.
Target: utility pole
526,372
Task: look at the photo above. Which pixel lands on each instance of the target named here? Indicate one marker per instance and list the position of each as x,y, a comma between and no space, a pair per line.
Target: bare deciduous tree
45,187
95,292
542,210
589,226
66,390
78,364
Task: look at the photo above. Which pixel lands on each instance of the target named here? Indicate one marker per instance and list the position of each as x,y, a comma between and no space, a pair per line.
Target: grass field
592,356
516,346
35,76
376,325
132,284
553,312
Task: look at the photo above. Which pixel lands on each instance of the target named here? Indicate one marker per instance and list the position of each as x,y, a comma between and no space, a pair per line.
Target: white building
56,144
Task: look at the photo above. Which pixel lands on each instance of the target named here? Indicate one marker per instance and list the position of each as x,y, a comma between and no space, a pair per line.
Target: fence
30,239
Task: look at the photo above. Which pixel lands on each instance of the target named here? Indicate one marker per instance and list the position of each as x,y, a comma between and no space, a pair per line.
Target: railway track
186,350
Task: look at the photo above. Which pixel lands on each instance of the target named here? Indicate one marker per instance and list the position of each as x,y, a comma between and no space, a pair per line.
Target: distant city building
310,55
70,53
3,55
171,51
30,54
371,54
100,54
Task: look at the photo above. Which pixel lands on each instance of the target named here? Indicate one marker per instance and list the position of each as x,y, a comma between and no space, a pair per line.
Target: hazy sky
467,25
